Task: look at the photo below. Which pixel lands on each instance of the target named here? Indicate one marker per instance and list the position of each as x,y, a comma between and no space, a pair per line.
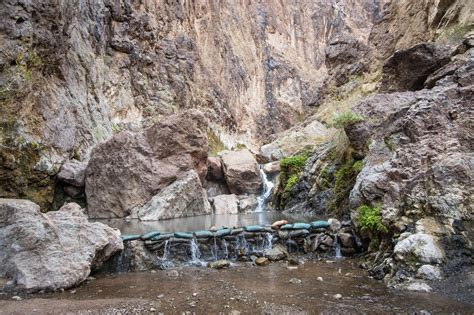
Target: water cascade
266,193
195,252
337,247
166,263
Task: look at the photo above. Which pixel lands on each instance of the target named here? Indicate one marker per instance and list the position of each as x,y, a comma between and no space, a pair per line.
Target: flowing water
262,200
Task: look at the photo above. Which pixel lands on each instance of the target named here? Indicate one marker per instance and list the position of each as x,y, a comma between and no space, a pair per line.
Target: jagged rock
334,224
53,250
129,169
429,272
241,172
346,56
185,197
225,204
277,252
423,247
73,173
408,69
214,169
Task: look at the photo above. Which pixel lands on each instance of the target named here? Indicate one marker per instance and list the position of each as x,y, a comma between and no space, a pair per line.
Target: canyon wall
75,72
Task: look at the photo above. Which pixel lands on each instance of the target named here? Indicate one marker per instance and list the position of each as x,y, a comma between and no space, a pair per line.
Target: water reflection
203,222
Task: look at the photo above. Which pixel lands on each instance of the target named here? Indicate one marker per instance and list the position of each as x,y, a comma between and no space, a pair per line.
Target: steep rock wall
74,72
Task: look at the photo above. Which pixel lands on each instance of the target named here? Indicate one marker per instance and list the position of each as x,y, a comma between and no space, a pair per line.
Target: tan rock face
241,172
130,168
106,66
53,250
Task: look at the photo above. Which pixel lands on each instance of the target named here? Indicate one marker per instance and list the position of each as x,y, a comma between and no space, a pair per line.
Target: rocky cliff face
73,73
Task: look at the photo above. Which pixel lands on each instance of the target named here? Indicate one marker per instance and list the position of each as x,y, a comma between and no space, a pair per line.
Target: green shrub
294,163
291,182
345,119
370,219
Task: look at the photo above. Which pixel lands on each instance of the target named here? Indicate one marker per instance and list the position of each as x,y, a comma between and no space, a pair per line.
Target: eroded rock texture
75,72
126,171
54,250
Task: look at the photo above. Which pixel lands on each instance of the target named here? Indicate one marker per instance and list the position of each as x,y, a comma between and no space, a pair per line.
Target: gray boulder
129,169
278,252
48,251
183,198
241,172
225,204
423,247
73,172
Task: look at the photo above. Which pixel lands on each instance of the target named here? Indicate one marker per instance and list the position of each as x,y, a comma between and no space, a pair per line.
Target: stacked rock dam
156,250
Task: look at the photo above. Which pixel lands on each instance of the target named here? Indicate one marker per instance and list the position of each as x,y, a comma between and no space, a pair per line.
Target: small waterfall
337,247
242,246
226,250
214,250
267,191
195,252
165,262
267,245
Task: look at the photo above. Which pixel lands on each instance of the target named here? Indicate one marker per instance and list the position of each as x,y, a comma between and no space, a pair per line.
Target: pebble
195,294
160,296
152,309
16,298
73,292
291,267
337,296
295,281
319,278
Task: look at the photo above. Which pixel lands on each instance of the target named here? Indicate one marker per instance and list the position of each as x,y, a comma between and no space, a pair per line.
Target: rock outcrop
185,197
54,250
241,172
126,171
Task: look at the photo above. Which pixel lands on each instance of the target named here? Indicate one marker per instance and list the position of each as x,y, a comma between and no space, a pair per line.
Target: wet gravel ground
314,287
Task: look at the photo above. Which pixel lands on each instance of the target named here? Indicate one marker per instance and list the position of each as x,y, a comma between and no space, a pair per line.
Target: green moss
291,182
345,119
370,219
345,178
388,142
116,128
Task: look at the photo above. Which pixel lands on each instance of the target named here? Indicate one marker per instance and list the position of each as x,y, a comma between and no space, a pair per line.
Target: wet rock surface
54,250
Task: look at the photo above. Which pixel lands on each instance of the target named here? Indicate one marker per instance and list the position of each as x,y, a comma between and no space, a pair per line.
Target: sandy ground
241,289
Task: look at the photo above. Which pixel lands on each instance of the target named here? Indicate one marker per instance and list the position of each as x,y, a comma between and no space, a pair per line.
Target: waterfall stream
266,193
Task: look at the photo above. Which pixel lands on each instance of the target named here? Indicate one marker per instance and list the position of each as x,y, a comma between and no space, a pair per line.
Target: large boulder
73,173
225,204
183,198
129,169
53,250
241,172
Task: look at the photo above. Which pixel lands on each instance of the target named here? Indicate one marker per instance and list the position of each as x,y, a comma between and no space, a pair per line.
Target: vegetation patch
370,219
291,169
345,119
345,178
